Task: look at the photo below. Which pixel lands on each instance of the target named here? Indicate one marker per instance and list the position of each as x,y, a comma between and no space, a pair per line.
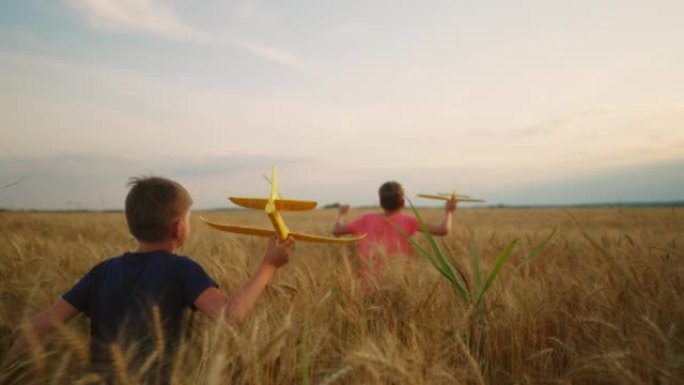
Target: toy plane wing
454,194
280,204
272,207
248,230
446,197
323,239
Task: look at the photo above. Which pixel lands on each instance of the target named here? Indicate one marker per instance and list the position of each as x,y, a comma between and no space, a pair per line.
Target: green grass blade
433,261
436,258
536,250
497,268
413,243
424,229
446,271
475,264
446,267
431,240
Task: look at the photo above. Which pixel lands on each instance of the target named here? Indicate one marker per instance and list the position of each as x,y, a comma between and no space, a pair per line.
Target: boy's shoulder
367,219
402,218
154,257
409,217
372,216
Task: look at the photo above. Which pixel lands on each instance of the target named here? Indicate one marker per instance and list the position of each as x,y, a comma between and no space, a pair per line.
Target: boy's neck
168,245
392,212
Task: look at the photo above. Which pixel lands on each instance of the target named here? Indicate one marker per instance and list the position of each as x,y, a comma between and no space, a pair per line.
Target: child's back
137,300
122,295
386,233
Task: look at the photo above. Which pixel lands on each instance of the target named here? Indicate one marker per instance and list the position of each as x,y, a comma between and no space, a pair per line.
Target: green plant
455,275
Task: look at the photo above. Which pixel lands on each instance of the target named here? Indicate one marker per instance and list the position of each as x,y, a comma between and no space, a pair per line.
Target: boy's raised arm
339,226
443,227
59,312
237,306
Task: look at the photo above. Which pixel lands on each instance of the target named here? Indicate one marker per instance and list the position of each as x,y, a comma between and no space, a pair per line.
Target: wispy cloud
539,128
148,16
159,18
268,53
548,126
89,165
97,181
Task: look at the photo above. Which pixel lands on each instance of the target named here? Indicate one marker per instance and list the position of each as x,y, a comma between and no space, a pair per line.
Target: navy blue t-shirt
118,296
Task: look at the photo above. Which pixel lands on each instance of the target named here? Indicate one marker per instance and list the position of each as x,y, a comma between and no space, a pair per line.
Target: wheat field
600,304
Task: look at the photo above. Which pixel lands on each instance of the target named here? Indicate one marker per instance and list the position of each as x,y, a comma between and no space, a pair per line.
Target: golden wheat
74,340
600,305
119,364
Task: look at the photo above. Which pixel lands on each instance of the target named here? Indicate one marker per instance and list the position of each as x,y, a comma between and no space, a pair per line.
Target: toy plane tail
273,203
274,185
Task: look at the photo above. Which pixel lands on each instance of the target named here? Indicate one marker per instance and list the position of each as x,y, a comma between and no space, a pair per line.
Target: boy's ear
176,229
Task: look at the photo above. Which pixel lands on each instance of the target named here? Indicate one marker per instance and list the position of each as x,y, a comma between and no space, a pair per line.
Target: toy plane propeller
451,197
272,207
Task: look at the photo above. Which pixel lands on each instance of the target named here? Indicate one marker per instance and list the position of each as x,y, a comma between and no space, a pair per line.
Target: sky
517,102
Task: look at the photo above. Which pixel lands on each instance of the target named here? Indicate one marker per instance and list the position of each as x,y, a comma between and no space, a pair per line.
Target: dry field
601,304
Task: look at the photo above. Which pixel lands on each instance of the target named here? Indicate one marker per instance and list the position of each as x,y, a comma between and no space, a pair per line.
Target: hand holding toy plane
272,207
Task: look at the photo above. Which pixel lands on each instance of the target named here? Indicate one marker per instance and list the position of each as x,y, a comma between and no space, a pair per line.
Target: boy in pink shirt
382,239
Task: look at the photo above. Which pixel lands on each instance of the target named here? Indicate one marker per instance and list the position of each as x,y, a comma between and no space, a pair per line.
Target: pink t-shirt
382,239
381,235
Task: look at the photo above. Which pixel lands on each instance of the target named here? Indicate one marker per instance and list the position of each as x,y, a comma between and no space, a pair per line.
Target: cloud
649,182
158,18
268,53
540,128
550,125
91,165
96,181
149,16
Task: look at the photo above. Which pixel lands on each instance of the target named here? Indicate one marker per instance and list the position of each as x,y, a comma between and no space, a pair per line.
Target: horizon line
608,204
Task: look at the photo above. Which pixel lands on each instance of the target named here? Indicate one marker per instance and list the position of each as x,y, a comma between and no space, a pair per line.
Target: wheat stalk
119,364
36,350
74,341
158,338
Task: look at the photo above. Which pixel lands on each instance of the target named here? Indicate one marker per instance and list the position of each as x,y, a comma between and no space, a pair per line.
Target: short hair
391,196
152,205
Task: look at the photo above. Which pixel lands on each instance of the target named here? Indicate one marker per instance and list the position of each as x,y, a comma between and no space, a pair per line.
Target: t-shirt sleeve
412,224
79,296
356,226
195,281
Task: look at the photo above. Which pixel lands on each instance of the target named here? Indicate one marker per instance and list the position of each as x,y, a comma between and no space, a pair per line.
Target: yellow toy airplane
272,207
451,197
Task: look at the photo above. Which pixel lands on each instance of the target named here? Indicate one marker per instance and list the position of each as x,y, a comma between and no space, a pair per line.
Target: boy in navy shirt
127,297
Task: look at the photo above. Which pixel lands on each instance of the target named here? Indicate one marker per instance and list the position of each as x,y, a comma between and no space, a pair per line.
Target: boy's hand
339,226
278,254
451,205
